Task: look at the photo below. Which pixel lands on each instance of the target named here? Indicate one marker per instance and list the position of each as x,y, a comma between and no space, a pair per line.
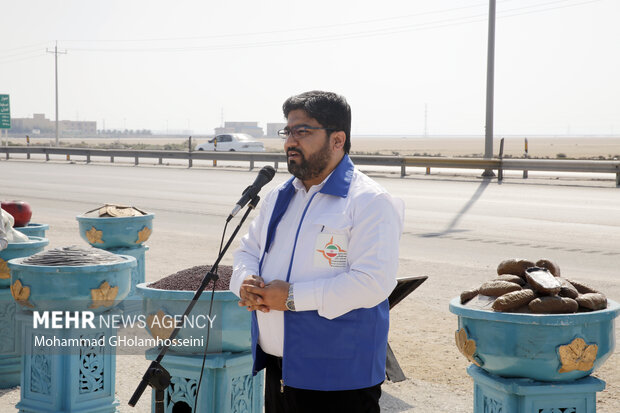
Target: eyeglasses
300,132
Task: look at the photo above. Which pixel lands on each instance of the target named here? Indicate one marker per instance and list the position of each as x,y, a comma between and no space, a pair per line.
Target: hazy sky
177,64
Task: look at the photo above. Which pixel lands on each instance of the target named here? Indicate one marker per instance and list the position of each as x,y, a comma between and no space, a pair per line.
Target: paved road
468,220
457,228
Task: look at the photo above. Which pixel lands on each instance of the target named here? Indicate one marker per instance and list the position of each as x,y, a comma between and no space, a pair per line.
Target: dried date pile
528,287
190,279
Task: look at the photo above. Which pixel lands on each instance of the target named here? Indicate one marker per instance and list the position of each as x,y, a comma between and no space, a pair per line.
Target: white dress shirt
345,252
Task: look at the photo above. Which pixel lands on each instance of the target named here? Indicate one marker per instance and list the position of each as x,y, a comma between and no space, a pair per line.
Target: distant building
41,123
75,127
273,128
251,128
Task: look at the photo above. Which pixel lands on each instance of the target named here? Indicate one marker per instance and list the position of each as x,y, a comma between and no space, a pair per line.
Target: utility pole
56,74
488,137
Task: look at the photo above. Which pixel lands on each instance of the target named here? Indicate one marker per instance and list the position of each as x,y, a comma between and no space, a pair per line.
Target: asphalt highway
465,220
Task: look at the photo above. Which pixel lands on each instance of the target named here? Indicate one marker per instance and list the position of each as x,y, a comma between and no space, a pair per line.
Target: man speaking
316,268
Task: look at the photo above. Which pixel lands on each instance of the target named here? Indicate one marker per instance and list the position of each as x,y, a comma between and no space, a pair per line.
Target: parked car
232,142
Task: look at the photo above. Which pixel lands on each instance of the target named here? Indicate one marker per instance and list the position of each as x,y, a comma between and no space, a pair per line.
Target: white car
232,142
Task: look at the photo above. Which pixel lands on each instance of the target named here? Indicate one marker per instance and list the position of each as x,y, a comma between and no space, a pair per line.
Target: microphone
265,175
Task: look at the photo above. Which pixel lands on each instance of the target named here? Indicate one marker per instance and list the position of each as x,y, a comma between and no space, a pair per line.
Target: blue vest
345,353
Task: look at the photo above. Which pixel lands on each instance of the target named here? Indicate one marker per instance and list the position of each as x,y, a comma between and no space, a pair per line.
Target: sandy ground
424,346
541,147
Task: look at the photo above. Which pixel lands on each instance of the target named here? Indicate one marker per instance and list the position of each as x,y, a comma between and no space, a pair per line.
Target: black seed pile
191,278
73,256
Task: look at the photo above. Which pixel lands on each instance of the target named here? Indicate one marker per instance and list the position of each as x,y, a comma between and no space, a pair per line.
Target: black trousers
292,400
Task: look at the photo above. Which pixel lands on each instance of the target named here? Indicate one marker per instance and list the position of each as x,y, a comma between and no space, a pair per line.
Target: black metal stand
159,380
156,374
404,287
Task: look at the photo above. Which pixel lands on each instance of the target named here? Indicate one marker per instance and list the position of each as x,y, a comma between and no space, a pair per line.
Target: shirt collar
337,182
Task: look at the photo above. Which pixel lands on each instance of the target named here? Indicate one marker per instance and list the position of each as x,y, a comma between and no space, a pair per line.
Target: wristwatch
290,301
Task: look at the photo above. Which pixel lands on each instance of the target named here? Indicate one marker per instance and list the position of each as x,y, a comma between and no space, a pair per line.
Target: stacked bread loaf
525,286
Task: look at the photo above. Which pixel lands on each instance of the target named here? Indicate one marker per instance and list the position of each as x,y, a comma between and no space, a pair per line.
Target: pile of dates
528,287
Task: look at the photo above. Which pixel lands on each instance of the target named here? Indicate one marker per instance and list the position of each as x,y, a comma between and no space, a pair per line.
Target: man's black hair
329,109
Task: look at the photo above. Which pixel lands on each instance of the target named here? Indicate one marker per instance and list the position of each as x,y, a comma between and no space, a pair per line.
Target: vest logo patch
330,251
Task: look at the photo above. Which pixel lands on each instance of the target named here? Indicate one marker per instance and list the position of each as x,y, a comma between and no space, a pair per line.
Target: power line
299,29
35,56
448,22
31,46
372,32
30,51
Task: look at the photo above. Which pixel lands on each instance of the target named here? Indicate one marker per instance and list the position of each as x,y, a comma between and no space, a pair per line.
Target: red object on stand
20,210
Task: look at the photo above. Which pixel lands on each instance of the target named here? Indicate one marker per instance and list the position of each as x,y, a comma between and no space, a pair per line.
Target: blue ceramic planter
494,394
528,345
17,250
116,232
10,341
227,383
34,230
76,379
231,324
133,302
94,288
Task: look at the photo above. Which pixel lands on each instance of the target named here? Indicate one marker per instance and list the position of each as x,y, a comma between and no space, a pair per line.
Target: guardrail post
68,157
161,161
88,157
500,171
428,170
136,161
111,159
189,149
28,153
525,155
275,166
47,157
618,179
251,164
403,170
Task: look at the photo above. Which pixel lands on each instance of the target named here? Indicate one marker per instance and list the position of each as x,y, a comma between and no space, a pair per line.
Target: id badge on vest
330,250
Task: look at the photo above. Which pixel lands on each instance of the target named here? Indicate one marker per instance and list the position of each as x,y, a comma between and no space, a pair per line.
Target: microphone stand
156,375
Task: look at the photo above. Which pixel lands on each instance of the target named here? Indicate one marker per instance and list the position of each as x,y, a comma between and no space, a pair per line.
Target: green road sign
5,112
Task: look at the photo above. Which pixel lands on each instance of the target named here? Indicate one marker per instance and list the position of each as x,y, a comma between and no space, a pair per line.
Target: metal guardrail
553,165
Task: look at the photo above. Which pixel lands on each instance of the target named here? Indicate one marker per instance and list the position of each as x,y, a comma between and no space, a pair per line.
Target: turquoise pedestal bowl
17,250
230,329
94,288
34,230
115,232
227,383
533,345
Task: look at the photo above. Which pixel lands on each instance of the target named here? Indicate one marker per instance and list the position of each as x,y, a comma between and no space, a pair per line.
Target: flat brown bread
592,301
468,295
511,278
495,288
514,266
542,281
583,288
513,300
481,302
550,265
567,289
553,305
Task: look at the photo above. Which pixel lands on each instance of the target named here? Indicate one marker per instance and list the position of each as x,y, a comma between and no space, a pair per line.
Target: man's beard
312,167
